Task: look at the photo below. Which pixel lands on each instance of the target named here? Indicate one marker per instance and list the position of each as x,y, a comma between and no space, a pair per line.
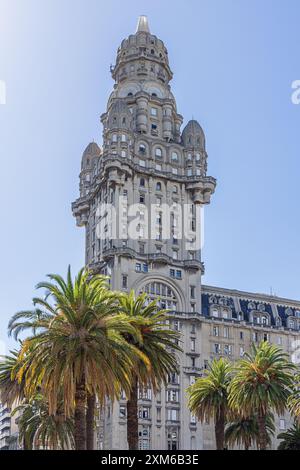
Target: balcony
193,370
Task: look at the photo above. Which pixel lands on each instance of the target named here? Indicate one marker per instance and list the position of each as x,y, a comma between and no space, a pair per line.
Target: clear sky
234,62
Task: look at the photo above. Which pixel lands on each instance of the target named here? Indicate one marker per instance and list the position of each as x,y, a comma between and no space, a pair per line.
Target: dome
193,135
92,150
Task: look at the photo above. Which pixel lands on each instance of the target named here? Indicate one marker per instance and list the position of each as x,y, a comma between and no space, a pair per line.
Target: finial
142,26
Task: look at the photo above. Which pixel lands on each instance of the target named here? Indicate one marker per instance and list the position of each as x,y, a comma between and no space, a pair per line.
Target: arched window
130,94
142,148
166,295
158,152
174,156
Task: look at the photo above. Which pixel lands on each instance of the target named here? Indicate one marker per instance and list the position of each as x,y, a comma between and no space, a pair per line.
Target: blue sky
234,62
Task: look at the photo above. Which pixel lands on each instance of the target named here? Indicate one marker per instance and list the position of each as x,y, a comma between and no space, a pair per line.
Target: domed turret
193,135
92,151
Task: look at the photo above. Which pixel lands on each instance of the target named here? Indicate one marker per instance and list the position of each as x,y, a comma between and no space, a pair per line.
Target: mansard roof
245,304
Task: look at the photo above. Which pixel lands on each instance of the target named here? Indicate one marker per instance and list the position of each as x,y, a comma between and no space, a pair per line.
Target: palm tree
262,384
77,345
244,432
208,397
294,398
155,342
11,389
290,438
39,429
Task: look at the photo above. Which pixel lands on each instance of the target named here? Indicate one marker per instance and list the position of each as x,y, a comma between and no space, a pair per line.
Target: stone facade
147,163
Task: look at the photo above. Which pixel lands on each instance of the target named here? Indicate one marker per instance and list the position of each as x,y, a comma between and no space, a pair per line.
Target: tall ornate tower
152,178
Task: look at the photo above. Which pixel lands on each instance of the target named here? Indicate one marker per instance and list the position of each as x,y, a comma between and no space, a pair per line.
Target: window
177,325
282,424
174,378
142,148
142,199
174,156
142,182
192,379
193,344
114,138
193,419
158,414
142,163
144,412
174,254
227,349
216,331
153,111
175,189
175,171
158,186
158,201
145,268
138,267
124,281
123,138
279,340
178,274
189,172
215,312
241,335
154,127
172,414
158,152
192,292
158,167
217,348
226,332
172,395
242,351
172,273
122,412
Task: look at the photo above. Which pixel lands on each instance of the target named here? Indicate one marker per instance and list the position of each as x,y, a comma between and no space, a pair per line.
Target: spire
143,25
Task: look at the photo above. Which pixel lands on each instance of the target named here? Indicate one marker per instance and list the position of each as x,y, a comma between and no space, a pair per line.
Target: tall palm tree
262,384
244,432
38,429
77,345
156,342
208,397
290,438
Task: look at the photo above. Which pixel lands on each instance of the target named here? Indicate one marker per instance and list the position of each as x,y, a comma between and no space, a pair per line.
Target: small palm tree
245,432
294,398
11,389
290,438
262,384
39,429
77,345
154,341
208,397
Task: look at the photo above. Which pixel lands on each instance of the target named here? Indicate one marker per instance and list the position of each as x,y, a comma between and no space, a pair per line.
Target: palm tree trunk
132,416
90,413
80,419
220,429
263,438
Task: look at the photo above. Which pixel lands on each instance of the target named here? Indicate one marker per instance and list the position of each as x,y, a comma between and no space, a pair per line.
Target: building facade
141,200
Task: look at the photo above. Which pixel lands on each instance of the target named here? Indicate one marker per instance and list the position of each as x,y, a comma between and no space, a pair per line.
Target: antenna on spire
143,25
